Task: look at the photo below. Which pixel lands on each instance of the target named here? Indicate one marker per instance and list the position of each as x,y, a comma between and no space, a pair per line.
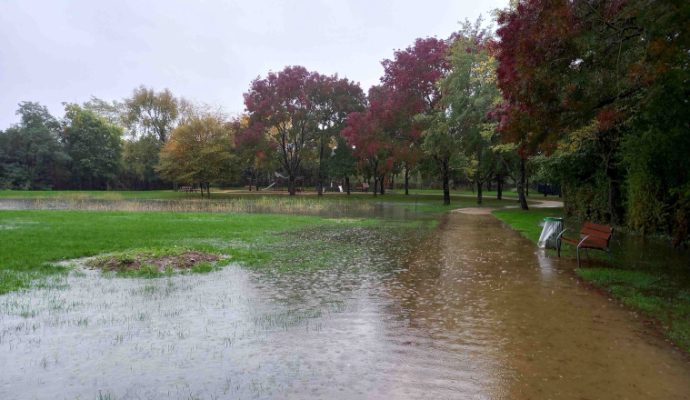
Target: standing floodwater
474,313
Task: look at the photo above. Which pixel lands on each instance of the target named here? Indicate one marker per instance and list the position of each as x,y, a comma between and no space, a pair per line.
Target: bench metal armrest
582,241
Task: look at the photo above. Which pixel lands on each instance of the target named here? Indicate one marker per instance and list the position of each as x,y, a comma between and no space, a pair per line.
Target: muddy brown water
475,313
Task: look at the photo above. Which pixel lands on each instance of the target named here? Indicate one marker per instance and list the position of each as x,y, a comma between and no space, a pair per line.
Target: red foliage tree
366,132
534,37
566,65
409,83
294,107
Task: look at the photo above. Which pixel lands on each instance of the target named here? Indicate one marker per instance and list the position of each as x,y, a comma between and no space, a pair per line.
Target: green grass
652,293
31,240
34,238
527,222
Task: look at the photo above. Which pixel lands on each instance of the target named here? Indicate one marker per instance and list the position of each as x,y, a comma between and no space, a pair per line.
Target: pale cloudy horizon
207,51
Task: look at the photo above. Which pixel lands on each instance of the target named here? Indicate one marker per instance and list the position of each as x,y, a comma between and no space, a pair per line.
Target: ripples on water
473,313
314,333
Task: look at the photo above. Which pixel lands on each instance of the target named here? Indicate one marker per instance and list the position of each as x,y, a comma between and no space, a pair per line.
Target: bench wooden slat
605,229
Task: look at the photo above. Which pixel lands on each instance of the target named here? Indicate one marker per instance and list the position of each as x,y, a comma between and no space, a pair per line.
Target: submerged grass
652,292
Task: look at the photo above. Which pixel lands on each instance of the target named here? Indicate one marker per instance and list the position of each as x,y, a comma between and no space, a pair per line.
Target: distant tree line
589,96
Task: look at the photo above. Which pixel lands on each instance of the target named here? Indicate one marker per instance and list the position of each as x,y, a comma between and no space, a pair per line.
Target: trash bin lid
553,219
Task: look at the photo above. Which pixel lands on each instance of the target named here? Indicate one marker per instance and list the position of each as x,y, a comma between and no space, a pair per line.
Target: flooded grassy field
471,310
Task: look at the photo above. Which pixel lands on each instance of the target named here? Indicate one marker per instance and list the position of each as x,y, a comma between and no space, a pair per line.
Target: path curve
489,210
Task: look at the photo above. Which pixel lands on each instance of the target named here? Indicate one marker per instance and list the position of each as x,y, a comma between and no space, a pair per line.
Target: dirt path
542,334
489,210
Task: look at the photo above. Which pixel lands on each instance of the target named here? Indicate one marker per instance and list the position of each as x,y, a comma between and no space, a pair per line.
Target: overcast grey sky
52,51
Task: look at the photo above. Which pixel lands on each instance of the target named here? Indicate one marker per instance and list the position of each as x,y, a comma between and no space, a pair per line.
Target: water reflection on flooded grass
344,208
386,313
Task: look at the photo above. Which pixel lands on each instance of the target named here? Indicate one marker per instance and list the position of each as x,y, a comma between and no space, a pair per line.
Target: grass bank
650,291
31,240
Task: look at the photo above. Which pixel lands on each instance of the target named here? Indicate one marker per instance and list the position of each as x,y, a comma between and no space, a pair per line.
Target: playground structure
281,181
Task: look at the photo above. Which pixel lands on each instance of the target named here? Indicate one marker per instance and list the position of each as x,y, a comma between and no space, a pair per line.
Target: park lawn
31,240
650,292
527,222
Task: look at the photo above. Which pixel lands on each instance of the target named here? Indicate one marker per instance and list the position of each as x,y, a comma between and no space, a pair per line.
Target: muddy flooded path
475,313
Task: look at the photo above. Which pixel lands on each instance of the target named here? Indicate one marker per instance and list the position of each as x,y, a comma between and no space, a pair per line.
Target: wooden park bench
592,236
361,187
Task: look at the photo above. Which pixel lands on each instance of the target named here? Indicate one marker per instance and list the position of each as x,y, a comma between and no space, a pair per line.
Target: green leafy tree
342,164
31,156
113,111
442,142
139,160
148,112
461,123
94,147
148,117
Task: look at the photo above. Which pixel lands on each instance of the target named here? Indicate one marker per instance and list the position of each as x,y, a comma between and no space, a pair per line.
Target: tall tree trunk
347,184
478,176
614,193
479,190
499,187
376,185
291,184
382,183
445,172
521,185
407,181
319,184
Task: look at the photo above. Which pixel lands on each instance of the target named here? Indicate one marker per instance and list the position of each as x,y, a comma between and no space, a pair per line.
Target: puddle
475,313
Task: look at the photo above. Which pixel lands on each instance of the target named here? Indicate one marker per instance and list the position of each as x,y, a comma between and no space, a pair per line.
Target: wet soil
182,261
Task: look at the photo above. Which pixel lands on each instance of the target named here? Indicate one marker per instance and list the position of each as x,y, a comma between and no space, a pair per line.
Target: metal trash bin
549,233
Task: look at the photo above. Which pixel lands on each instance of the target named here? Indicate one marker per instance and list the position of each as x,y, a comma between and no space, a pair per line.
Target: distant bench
360,187
187,189
592,236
